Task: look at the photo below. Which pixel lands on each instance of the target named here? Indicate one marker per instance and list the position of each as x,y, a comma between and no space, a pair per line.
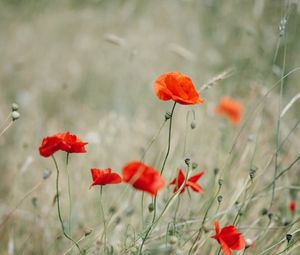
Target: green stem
69,194
58,208
103,217
161,171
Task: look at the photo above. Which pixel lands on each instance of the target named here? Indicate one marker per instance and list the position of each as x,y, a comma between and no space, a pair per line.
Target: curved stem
103,216
58,207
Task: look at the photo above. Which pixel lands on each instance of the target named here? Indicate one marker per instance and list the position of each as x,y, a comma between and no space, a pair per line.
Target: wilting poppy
230,108
143,177
292,206
103,177
61,141
229,238
191,182
177,87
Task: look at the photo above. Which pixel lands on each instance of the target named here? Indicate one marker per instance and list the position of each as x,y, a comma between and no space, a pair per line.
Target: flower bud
220,198
151,207
216,171
220,182
194,165
289,237
46,174
187,161
15,115
168,115
249,242
193,125
173,240
14,107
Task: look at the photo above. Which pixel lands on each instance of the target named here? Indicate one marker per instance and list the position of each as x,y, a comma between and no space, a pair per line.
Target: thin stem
69,193
103,217
203,221
5,129
58,207
161,172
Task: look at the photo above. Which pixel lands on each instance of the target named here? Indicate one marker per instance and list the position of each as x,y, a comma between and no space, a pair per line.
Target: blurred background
88,67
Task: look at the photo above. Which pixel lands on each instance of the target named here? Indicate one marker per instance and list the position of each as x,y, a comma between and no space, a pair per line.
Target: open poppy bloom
230,108
143,177
292,206
191,182
103,177
61,141
229,238
177,87
71,143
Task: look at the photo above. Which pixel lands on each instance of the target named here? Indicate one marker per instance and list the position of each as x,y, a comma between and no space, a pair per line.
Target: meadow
90,68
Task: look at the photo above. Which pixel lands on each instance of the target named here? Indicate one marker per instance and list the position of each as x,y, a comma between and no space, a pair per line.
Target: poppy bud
216,171
289,237
168,115
264,211
14,107
151,207
270,215
252,172
173,240
88,232
286,222
194,165
193,125
220,182
187,161
220,198
248,243
15,115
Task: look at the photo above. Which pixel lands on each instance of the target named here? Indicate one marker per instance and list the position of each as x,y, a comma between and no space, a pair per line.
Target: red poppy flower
178,87
61,141
103,177
292,206
50,145
230,108
71,143
229,238
143,177
191,182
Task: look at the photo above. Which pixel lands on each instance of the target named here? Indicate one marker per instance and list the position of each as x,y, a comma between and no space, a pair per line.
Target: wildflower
229,238
143,177
178,87
71,143
191,182
103,177
50,145
61,141
231,109
292,206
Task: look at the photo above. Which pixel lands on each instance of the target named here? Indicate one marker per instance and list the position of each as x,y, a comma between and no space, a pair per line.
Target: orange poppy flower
143,177
191,182
230,108
177,87
229,238
103,177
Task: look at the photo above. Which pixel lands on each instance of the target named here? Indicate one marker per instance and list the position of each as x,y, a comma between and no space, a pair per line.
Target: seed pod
15,115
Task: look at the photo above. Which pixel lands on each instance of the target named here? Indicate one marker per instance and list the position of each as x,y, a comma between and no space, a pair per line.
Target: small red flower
191,182
292,206
230,108
143,177
61,141
229,238
103,177
178,87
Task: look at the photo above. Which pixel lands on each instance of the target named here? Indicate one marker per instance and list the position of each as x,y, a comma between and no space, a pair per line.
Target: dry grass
89,68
